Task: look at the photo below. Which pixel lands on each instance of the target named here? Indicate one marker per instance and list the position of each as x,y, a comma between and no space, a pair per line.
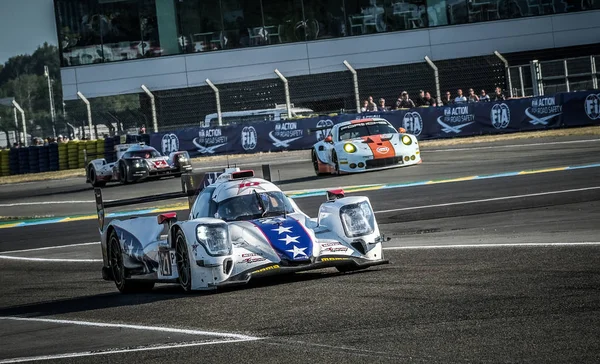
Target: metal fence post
89,113
218,99
521,80
152,106
594,73
506,71
437,79
51,99
536,78
286,89
355,82
18,107
566,76
17,134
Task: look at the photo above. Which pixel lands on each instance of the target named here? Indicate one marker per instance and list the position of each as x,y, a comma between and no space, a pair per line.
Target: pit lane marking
224,338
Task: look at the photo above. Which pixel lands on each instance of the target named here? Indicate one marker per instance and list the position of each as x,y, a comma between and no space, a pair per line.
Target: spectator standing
372,106
381,106
472,96
447,99
484,97
365,106
420,100
143,129
405,102
428,100
460,98
498,95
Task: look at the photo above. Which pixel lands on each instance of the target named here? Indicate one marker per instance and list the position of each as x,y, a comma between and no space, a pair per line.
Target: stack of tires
109,149
99,149
80,155
4,162
13,161
63,156
91,151
34,159
53,157
44,158
23,160
73,154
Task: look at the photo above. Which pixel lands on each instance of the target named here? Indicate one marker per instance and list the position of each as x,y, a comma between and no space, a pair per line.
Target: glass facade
98,31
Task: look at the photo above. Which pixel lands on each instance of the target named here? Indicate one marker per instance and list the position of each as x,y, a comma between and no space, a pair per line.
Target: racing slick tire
183,262
123,170
315,162
93,180
336,163
124,285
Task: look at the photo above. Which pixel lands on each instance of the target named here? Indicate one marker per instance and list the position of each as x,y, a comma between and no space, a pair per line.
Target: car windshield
352,131
146,153
254,206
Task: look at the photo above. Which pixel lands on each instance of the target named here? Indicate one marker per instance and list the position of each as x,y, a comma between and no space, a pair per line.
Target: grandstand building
110,47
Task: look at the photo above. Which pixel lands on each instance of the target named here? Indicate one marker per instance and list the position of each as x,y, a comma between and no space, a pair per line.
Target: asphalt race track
500,268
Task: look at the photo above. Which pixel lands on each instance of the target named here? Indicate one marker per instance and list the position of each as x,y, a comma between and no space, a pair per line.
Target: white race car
364,145
239,227
136,162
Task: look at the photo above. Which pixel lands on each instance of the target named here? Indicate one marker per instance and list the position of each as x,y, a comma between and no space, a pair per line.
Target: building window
241,19
284,22
81,28
329,17
201,25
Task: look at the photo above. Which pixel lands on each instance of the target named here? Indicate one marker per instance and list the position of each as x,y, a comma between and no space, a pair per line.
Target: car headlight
349,148
137,164
182,158
358,219
406,140
215,238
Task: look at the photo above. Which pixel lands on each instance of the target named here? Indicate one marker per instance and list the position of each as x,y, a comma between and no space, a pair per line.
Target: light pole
51,99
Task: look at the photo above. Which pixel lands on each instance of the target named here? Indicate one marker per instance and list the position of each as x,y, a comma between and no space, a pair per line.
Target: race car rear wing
191,185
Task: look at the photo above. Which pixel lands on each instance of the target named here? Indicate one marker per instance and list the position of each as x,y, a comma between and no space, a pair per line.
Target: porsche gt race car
239,227
136,162
364,145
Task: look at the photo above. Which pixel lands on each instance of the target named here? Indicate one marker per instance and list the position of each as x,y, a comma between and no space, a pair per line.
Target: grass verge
257,157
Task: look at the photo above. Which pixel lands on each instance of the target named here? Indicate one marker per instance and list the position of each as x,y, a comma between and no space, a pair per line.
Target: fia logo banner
413,123
592,106
169,144
500,116
249,138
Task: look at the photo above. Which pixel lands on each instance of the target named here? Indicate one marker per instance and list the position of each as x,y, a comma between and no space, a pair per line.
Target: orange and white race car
364,145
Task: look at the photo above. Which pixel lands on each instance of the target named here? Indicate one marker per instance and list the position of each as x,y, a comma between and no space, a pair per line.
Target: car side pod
333,195
168,218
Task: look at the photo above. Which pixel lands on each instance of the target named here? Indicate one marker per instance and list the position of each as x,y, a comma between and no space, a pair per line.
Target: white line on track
495,245
226,338
489,199
48,203
55,260
49,247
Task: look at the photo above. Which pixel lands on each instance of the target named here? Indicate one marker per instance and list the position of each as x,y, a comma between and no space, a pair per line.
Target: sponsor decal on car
332,259
266,269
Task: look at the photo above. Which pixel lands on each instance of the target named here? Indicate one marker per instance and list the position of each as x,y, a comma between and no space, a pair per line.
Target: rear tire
124,284
183,262
123,174
93,179
336,163
315,161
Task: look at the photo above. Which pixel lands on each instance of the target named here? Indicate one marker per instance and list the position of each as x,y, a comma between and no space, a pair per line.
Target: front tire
94,180
123,174
117,267
183,262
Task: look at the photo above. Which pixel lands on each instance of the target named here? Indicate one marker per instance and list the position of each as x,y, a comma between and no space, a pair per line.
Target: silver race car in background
239,227
136,162
364,145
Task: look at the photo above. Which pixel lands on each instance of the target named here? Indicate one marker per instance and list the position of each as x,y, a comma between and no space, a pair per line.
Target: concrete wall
366,51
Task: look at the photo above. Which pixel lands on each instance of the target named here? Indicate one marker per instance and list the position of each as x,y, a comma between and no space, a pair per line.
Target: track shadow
159,293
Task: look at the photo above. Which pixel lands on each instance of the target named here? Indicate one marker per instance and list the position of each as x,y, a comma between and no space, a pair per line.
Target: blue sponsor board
456,120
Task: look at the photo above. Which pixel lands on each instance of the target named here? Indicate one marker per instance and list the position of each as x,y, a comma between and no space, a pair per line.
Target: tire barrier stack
90,151
53,157
34,159
23,160
63,157
4,162
100,149
44,158
109,147
13,161
73,154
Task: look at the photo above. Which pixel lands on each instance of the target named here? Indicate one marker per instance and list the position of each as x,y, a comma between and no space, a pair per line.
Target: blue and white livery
239,227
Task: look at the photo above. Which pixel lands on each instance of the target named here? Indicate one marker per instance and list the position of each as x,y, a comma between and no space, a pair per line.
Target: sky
25,25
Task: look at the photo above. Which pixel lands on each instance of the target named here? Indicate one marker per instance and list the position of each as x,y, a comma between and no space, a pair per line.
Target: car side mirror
329,139
402,130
